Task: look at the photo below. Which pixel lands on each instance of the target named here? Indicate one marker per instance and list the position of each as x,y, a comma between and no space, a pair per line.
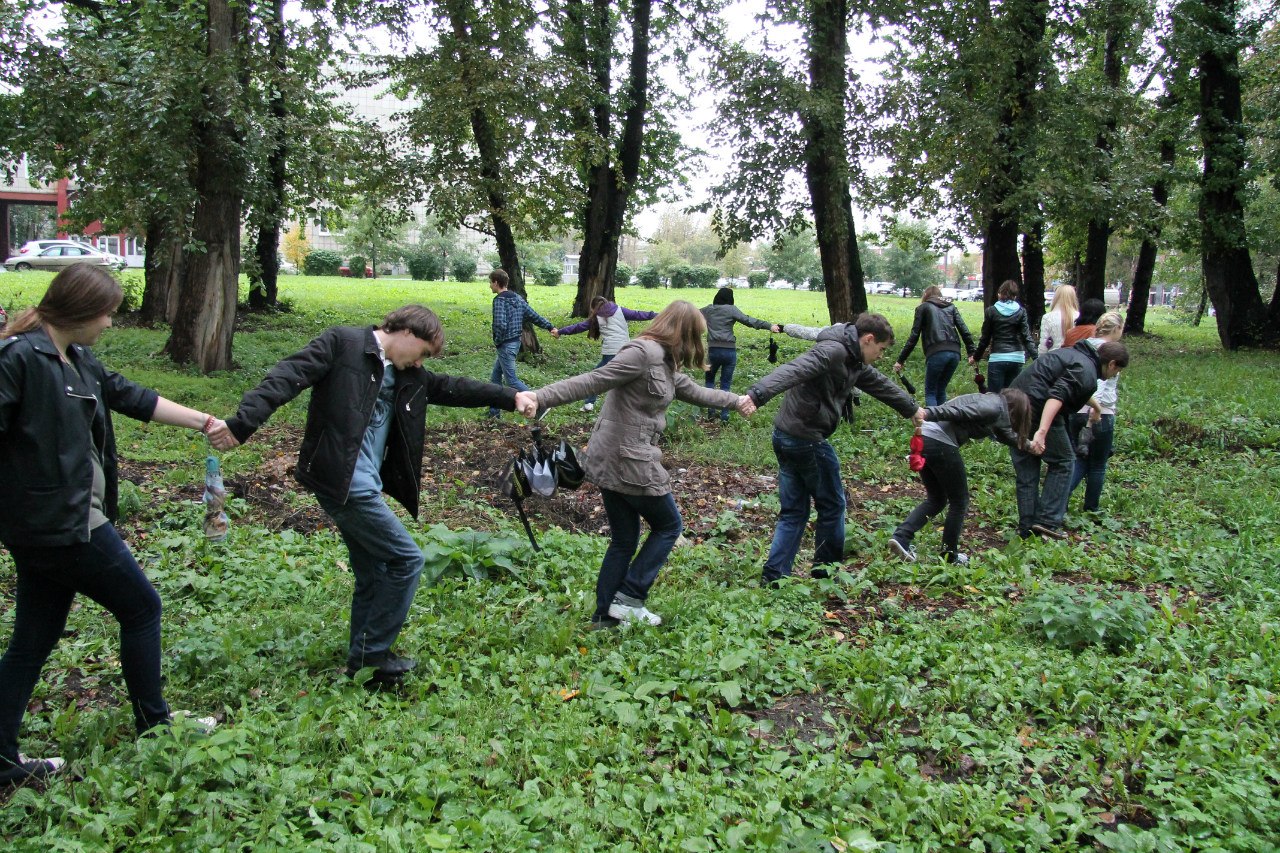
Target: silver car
63,254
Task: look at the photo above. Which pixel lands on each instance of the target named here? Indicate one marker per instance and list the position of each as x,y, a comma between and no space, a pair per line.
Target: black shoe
1046,532
819,573
388,666
30,770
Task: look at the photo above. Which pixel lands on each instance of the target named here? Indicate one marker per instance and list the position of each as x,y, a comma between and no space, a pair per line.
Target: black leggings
946,485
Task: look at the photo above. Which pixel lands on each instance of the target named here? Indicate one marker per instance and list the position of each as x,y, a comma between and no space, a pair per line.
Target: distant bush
322,262
704,276
622,276
681,275
757,279
817,283
132,283
546,273
424,265
648,276
463,268
357,265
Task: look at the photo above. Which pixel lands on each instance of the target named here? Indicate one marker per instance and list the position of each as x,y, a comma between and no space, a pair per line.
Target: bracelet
208,424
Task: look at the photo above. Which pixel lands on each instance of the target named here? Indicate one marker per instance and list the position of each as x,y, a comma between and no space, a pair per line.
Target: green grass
896,707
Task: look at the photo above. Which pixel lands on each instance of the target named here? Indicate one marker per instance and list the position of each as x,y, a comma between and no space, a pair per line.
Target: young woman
623,457
1005,331
1059,319
607,323
722,346
58,466
1090,311
1005,417
1091,462
942,327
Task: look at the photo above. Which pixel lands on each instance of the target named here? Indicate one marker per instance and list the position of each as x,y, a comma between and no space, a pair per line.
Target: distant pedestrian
817,386
722,346
941,328
624,456
1006,332
1059,319
510,310
607,323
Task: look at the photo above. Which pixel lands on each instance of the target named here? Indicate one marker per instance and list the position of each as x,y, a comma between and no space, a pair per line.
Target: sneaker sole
896,547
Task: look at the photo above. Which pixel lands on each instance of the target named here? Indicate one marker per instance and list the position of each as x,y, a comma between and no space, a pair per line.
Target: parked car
63,254
881,287
38,246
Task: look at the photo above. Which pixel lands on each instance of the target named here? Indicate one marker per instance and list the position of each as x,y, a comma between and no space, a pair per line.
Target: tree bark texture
1135,318
162,272
267,246
1033,285
1093,279
1228,270
205,319
826,162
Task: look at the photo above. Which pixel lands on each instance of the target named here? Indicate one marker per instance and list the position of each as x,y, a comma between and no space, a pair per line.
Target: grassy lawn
894,707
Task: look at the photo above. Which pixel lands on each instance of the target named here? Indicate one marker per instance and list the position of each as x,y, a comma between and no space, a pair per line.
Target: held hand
746,406
1095,415
527,403
897,367
972,361
775,328
221,437
1037,443
918,418
555,333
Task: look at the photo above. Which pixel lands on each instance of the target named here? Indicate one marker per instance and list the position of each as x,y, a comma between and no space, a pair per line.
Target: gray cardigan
623,453
720,320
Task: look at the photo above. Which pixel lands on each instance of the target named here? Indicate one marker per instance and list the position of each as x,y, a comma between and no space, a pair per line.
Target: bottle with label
216,523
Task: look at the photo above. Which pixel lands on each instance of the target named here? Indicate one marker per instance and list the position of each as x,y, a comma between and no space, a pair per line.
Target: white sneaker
627,613
906,552
208,724
588,407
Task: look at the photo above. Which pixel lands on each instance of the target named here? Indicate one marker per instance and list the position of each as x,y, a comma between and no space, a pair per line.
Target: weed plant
893,707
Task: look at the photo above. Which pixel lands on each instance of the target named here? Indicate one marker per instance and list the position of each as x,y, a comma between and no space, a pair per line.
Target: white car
881,287
32,248
63,255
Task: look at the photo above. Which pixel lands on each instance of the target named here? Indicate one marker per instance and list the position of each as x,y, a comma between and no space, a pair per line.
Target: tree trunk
1033,276
826,162
1093,278
162,273
205,319
1000,256
1228,270
1135,318
267,245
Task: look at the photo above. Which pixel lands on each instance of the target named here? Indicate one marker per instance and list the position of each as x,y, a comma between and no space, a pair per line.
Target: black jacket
50,416
974,416
818,382
941,326
1006,333
344,371
1069,374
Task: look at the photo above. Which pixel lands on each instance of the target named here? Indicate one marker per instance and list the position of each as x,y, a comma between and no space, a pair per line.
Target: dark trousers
103,570
723,360
620,575
946,485
808,471
938,370
1000,375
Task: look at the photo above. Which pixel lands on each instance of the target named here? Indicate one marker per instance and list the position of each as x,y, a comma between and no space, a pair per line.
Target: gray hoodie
720,320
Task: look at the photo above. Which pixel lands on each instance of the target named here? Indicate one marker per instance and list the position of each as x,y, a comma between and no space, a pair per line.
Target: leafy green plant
474,553
1076,619
357,265
622,275
322,262
463,268
649,277
757,279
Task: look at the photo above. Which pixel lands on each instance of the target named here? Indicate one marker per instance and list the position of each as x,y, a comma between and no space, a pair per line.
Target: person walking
942,328
58,506
624,460
510,310
817,386
1057,383
365,434
1059,319
1091,461
606,323
1003,417
1006,332
722,345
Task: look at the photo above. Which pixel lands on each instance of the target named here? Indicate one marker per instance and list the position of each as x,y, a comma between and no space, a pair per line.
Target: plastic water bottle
216,523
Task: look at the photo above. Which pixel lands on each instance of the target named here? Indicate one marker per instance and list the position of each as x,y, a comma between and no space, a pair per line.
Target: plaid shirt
509,311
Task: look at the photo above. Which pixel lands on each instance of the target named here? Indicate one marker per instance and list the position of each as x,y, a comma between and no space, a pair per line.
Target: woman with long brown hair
58,504
623,458
607,323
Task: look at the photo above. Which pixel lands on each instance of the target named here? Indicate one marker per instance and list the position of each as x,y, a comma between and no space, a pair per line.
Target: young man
1058,383
509,312
365,434
817,384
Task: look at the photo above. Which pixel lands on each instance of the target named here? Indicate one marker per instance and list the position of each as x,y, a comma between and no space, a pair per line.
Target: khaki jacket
623,453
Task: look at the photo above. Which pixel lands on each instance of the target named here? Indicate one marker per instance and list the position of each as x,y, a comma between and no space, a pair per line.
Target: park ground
1116,691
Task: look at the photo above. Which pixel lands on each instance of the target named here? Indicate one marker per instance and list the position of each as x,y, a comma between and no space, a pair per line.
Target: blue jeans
1092,469
938,370
103,570
1000,375
604,359
386,563
725,361
946,485
807,471
504,370
1045,506
620,575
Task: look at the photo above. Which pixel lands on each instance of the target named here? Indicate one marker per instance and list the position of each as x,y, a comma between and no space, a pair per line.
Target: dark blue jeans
1045,506
1092,469
725,361
946,485
504,370
620,575
49,578
938,370
387,565
1000,375
604,359
807,471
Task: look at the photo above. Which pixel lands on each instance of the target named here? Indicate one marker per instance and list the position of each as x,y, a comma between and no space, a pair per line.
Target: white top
1051,330
1108,389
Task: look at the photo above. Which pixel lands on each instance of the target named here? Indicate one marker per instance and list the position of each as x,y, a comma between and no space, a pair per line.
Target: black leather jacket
50,416
1006,333
974,416
1069,374
344,370
940,327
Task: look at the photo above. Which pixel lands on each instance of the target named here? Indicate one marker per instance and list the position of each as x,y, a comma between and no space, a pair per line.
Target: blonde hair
1065,303
679,329
1109,324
